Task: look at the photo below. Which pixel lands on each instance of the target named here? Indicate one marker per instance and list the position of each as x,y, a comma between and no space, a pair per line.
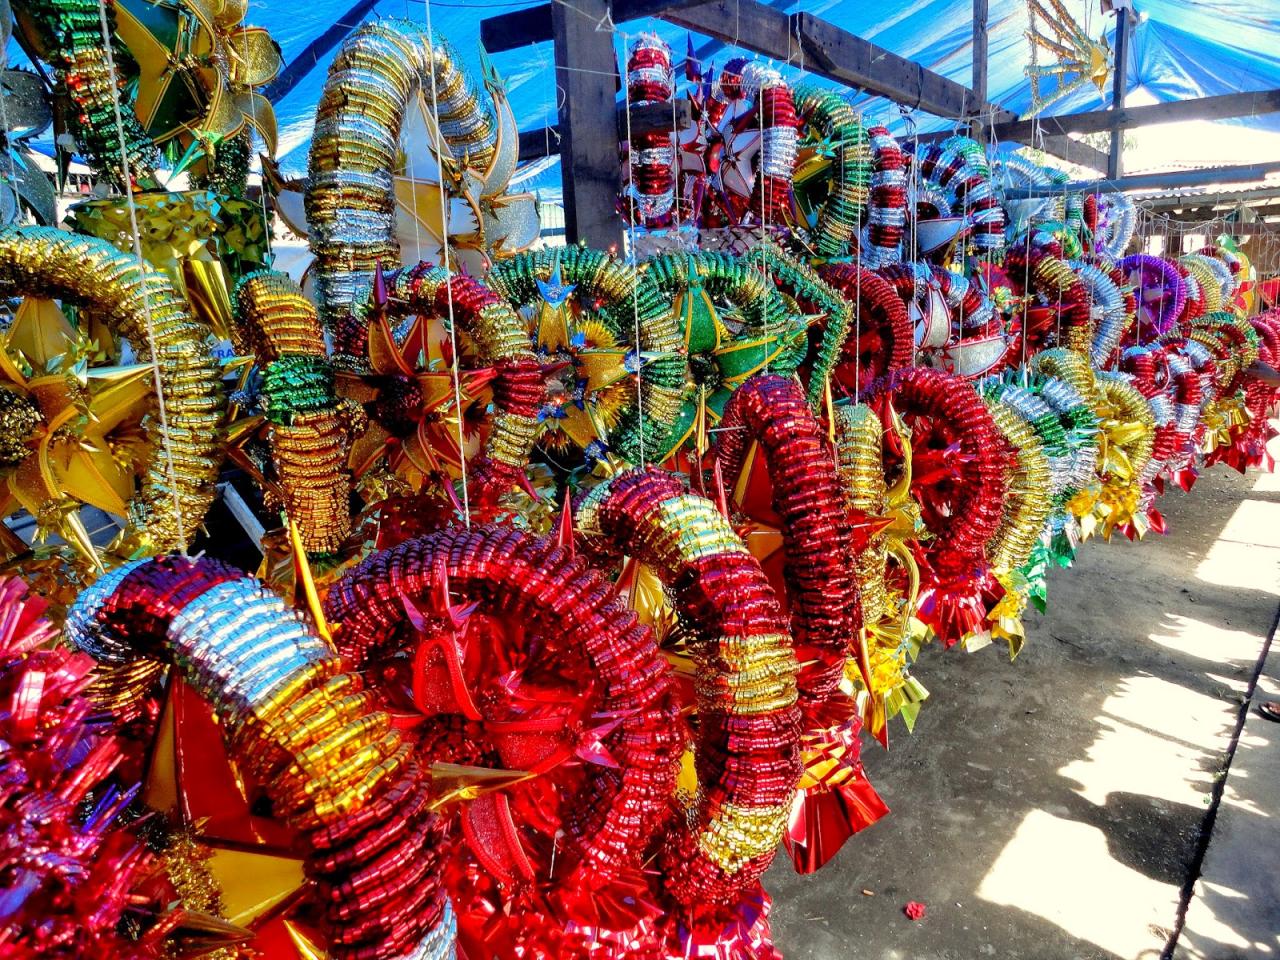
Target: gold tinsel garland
143,307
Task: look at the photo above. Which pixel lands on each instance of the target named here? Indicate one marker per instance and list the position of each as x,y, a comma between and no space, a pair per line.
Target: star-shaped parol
71,427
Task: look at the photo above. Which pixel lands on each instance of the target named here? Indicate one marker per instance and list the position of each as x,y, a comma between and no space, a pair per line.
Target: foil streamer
177,480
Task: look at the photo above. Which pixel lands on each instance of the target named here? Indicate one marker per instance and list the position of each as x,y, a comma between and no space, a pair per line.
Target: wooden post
977,126
1115,159
586,73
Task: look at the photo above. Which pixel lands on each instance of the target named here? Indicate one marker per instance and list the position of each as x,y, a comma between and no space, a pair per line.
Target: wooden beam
645,118
979,65
828,51
1119,84
586,70
1213,198
1173,180
823,48
1224,107
306,61
520,28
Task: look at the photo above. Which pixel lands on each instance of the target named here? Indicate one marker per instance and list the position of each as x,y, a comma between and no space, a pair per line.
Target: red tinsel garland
580,645
883,340
960,458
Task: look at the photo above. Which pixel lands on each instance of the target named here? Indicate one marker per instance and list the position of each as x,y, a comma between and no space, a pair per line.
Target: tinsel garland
970,481
501,342
1109,300
747,748
887,206
141,306
1057,286
651,193
307,433
606,816
1160,291
859,460
814,296
335,768
1028,500
771,193
1116,218
71,34
818,542
958,165
832,125
349,199
882,339
625,301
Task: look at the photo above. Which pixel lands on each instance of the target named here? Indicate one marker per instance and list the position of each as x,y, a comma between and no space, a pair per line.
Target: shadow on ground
1052,808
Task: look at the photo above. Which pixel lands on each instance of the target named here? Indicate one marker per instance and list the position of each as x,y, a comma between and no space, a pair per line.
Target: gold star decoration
72,430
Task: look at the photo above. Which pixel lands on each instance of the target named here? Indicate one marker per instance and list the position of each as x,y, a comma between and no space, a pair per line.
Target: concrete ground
1058,807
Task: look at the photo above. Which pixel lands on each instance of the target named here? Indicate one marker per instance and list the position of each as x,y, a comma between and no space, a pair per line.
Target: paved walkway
1057,807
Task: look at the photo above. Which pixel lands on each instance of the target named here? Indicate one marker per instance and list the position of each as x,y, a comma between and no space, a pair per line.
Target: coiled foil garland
143,307
350,202
604,818
651,193
308,436
502,342
747,748
626,303
335,767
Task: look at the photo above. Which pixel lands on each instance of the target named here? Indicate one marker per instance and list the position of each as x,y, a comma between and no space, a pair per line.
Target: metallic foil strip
87,271
349,201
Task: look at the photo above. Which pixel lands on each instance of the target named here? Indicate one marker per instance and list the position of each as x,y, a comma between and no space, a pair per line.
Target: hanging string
913,204
448,267
145,277
857,300
963,249
268,221
760,175
1036,137
635,271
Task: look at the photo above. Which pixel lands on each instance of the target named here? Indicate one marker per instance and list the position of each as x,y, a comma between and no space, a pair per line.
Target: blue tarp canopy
1180,50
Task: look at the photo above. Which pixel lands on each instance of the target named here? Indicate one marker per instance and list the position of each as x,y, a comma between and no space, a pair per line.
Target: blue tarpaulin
1181,49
